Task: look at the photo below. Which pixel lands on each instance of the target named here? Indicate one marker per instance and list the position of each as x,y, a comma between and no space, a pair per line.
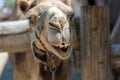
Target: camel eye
53,25
31,19
70,17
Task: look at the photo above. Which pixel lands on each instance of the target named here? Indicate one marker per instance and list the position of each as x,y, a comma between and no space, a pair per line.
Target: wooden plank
14,27
14,36
15,43
76,32
94,43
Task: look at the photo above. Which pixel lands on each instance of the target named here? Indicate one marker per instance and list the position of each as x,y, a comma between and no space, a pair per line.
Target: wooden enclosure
95,50
99,46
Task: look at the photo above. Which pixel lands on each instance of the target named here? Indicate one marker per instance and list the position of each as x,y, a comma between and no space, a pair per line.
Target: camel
50,35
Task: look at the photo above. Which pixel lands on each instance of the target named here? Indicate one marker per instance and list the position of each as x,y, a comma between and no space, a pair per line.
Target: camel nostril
63,43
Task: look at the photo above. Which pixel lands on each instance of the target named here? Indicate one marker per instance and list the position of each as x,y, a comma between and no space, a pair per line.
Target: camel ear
67,2
23,5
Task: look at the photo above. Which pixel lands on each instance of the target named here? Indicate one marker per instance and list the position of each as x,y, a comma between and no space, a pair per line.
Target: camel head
55,33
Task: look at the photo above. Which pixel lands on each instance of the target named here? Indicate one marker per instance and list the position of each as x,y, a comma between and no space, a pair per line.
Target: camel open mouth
62,49
63,52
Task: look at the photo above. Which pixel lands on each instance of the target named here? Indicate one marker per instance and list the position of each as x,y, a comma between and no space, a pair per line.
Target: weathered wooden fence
98,49
14,36
95,50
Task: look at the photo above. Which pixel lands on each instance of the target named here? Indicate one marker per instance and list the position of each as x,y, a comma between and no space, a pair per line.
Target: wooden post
100,2
94,43
76,42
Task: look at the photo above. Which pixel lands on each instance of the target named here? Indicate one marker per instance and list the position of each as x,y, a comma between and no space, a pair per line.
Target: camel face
58,29
55,33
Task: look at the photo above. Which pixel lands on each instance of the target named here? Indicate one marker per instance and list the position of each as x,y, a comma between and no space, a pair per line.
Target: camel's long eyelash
54,26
